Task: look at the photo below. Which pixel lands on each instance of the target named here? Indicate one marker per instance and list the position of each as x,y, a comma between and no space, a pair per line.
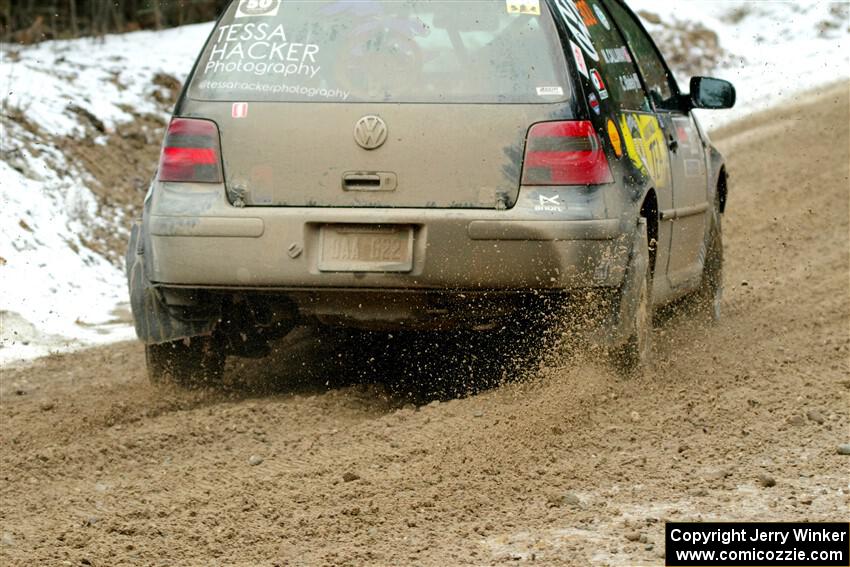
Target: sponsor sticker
614,137
549,204
587,15
550,91
239,110
249,8
261,49
593,101
603,19
578,29
578,55
643,141
616,55
688,138
531,7
596,78
630,82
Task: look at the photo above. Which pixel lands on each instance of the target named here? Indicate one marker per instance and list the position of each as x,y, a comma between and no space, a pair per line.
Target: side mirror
708,92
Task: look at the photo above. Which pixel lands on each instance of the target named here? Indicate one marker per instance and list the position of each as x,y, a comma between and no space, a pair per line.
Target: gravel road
299,463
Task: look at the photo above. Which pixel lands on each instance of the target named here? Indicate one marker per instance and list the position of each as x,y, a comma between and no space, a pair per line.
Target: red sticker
594,103
581,65
599,84
239,110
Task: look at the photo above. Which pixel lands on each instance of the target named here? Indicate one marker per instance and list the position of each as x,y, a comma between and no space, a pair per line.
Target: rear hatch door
420,103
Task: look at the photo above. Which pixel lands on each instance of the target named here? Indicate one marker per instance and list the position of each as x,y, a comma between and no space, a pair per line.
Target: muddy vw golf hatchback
425,165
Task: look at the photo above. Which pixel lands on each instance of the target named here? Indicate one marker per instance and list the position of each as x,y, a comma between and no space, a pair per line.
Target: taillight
191,152
564,153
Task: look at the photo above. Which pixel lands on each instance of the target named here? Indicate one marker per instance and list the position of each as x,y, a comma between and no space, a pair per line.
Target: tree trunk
157,15
72,9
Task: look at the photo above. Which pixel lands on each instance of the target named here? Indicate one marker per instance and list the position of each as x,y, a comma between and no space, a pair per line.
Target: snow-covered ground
779,50
56,293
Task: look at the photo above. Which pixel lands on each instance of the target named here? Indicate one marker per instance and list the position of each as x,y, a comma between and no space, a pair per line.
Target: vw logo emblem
370,132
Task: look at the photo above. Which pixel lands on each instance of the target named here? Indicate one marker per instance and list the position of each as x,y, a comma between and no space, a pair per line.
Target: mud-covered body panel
154,321
441,156
572,244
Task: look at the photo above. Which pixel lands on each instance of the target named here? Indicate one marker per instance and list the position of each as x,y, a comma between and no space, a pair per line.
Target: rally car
425,165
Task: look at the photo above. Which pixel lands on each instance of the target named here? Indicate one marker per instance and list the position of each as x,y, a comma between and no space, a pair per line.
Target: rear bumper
196,238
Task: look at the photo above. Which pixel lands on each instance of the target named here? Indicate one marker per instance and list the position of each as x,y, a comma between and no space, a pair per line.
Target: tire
191,363
633,356
709,296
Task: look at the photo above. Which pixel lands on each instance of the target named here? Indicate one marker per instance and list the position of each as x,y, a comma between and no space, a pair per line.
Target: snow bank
55,292
779,49
100,76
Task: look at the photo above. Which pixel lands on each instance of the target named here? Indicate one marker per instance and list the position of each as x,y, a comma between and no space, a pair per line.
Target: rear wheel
633,356
192,363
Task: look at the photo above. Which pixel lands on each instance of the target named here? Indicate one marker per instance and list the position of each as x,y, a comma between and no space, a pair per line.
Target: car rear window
383,51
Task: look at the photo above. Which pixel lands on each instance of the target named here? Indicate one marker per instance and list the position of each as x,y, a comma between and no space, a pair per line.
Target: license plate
366,248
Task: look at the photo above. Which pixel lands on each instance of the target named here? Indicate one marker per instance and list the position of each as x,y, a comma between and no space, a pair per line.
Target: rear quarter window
383,51
658,80
598,47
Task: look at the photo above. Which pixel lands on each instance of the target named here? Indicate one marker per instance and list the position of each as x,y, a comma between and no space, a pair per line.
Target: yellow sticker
644,141
614,136
523,7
